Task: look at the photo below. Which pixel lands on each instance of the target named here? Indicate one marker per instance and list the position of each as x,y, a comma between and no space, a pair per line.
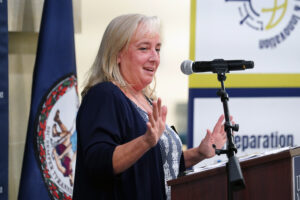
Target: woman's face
139,62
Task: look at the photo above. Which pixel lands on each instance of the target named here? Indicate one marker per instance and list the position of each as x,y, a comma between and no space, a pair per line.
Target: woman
125,150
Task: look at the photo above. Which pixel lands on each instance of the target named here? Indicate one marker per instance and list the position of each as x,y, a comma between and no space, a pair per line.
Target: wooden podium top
252,161
269,171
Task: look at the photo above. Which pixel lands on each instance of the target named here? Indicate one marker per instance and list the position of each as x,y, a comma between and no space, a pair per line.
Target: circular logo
56,137
263,15
276,18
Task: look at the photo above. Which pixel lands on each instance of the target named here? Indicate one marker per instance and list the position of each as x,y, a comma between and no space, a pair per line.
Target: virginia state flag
50,151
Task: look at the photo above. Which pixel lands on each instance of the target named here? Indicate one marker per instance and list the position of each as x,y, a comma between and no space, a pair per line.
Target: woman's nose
154,55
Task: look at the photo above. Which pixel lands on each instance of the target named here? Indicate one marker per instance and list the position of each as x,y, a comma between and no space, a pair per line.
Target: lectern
269,176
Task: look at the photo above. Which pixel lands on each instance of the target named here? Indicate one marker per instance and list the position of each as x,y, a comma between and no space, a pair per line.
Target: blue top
107,118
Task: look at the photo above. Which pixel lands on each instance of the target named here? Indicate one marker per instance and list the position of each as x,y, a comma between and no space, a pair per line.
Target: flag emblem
55,137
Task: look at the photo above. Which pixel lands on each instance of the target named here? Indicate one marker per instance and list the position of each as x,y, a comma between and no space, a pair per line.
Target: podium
273,176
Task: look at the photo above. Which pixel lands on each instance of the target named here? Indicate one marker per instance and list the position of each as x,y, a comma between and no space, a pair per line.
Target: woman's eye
157,50
143,48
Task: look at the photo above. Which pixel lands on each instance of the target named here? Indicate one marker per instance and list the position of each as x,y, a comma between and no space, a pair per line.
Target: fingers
164,112
155,110
224,135
219,126
151,118
149,126
221,119
157,120
159,106
220,122
159,112
208,133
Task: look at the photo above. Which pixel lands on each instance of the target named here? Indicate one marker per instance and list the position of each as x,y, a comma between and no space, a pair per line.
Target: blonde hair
116,37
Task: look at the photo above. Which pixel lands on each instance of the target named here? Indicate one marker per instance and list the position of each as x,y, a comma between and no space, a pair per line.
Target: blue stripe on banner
232,92
3,101
47,171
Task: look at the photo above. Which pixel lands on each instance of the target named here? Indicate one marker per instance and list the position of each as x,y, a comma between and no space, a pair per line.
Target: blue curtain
3,101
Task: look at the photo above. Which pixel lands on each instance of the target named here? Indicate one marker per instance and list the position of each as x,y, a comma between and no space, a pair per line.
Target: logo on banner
56,137
277,17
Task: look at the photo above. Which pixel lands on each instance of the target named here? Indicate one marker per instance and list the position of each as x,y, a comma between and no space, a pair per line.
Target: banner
264,31
264,101
268,118
3,101
50,151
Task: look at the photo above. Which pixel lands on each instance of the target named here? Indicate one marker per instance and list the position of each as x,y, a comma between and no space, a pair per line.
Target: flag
50,151
3,101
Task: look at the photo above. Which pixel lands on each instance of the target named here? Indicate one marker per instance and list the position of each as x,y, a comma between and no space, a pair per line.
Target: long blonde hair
116,37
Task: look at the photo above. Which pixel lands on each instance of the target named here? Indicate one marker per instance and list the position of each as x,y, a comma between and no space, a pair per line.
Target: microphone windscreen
249,64
187,67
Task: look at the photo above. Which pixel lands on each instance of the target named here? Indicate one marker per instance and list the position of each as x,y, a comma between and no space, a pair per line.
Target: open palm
217,137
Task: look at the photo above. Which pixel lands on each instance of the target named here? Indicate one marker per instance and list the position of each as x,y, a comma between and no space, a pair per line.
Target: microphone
216,66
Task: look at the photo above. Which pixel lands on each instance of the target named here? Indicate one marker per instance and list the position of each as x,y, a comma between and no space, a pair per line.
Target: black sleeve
100,125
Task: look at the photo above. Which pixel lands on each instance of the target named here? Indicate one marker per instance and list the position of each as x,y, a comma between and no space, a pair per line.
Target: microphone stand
235,179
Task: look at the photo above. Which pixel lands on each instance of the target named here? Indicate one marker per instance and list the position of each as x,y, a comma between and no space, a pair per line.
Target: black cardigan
107,118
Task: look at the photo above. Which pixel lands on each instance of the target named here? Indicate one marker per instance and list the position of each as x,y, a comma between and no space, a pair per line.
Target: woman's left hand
217,137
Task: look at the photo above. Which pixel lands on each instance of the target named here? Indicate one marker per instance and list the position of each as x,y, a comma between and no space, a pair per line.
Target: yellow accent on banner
235,80
245,80
193,29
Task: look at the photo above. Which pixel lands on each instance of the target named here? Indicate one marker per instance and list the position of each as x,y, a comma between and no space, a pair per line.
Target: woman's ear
119,57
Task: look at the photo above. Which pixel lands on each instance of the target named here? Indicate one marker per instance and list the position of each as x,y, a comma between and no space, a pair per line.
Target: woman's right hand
127,154
156,124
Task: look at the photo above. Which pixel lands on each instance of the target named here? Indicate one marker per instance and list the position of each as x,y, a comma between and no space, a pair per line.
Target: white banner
265,123
267,32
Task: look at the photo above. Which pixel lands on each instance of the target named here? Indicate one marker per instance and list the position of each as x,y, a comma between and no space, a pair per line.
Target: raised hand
157,123
127,154
217,137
